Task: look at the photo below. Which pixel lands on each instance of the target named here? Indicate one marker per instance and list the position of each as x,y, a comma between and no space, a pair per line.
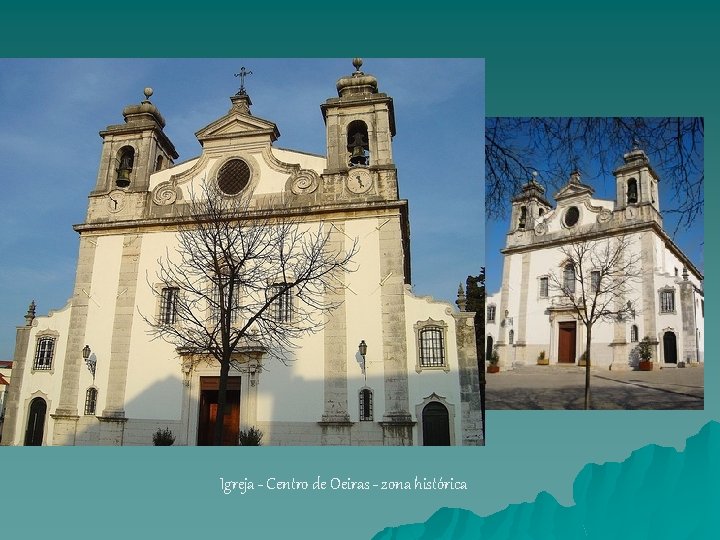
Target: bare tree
243,279
597,282
553,147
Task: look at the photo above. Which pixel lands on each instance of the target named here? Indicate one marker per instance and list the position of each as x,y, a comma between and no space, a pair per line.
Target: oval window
233,176
572,216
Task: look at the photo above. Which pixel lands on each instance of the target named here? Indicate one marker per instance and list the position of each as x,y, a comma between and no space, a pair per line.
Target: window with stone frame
544,286
569,279
432,347
491,313
667,300
511,337
634,333
44,353
168,305
366,405
215,302
90,400
281,309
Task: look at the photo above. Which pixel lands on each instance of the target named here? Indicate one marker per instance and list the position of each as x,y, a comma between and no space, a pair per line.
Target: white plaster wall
492,329
166,174
428,381
154,381
588,215
101,314
306,161
45,384
364,315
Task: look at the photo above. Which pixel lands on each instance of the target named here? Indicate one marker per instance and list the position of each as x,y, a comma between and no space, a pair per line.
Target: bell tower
131,152
360,125
529,206
636,182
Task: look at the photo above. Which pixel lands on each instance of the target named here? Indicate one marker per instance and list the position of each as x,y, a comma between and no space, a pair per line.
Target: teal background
557,58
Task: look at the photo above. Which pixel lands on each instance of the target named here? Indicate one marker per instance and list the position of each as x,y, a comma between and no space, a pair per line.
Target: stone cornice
599,233
330,212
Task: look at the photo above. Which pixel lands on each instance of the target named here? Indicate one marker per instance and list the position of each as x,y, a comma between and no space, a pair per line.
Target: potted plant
541,360
583,359
163,437
250,437
494,360
644,352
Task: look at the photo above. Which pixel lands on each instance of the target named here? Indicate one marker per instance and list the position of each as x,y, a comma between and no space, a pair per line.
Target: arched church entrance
36,422
670,347
436,425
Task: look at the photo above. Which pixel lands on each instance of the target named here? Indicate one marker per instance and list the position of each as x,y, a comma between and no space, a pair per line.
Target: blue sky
690,240
51,111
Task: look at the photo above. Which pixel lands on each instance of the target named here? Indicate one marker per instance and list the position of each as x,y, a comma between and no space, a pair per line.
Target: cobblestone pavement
561,387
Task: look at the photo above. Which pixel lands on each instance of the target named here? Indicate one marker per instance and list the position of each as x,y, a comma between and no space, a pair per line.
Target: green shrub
250,437
163,437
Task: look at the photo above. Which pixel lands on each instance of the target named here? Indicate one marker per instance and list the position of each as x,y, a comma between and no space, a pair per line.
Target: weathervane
243,73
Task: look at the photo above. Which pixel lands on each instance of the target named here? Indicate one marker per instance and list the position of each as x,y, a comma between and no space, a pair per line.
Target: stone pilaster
521,326
689,325
620,351
12,399
470,405
397,422
66,414
120,341
335,420
649,291
500,314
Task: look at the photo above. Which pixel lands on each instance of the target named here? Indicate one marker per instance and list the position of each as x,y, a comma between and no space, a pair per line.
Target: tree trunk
222,397
588,340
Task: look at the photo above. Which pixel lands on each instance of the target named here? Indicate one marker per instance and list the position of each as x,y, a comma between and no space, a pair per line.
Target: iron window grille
544,287
491,313
667,301
366,405
90,400
168,305
44,353
634,333
569,279
432,349
281,307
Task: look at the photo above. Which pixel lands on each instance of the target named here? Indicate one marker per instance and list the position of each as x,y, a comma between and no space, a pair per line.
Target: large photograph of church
255,294
595,262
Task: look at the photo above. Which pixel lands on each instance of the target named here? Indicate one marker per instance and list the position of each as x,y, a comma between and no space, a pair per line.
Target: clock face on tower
359,180
115,201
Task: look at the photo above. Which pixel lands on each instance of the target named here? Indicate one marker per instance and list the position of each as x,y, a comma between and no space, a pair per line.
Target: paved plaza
563,387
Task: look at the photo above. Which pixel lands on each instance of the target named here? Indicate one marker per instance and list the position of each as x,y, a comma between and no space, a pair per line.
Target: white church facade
532,317
91,374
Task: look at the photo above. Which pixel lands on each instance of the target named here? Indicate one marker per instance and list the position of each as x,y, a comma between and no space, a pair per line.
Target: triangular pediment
574,190
237,124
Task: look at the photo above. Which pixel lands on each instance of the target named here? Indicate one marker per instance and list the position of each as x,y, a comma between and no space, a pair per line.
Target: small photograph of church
594,262
252,294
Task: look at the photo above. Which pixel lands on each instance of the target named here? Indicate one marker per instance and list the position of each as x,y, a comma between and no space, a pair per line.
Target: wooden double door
209,389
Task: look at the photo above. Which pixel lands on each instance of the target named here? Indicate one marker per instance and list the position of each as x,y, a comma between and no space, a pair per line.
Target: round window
572,216
233,176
